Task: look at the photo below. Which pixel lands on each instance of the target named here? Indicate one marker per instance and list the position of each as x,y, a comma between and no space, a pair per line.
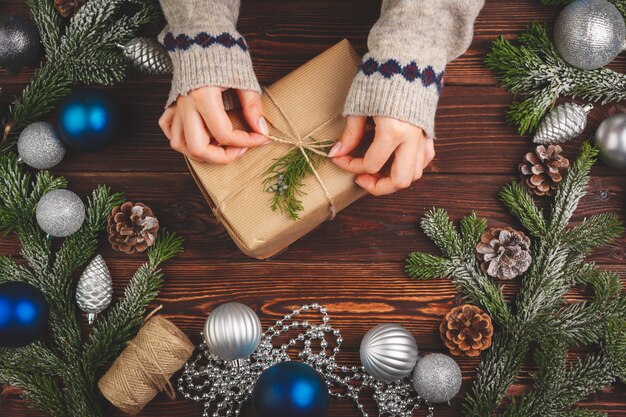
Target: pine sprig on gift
83,52
539,314
535,71
59,376
285,178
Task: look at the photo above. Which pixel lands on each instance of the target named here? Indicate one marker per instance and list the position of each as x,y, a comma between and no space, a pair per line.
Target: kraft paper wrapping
311,96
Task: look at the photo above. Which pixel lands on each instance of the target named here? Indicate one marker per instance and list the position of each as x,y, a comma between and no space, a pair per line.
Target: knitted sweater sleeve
402,74
206,49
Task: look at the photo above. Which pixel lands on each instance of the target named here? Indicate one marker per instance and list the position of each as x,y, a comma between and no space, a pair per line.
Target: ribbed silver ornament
611,140
589,34
388,352
563,123
147,56
95,288
232,331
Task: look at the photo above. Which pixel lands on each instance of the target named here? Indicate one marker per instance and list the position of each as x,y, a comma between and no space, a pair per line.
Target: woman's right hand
197,125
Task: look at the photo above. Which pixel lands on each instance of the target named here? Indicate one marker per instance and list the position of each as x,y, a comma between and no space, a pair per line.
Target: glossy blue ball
88,120
290,389
23,314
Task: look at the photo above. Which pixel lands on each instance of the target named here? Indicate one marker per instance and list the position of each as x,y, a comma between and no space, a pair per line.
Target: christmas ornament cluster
238,362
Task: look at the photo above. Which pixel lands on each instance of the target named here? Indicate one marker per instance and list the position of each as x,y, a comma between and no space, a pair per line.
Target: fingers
352,135
177,140
375,158
402,172
253,110
165,121
220,126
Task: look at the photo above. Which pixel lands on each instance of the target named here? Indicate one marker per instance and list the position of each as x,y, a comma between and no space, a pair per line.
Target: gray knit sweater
401,76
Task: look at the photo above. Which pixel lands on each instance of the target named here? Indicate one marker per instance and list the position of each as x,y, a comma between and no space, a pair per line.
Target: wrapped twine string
146,365
304,143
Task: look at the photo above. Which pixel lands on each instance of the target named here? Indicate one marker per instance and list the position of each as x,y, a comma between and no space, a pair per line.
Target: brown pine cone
132,228
541,171
504,253
466,330
67,8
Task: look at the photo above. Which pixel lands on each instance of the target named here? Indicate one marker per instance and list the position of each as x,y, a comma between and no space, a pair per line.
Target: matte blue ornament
290,389
23,314
89,120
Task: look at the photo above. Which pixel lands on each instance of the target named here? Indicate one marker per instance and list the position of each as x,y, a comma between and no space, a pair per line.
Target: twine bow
305,143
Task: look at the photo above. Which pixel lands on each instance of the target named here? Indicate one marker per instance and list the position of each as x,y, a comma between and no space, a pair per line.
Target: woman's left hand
412,152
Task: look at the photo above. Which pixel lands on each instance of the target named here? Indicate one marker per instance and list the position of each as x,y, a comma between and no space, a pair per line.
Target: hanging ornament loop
224,386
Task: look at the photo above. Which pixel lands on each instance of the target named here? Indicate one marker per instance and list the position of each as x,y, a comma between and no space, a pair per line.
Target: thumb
352,135
253,110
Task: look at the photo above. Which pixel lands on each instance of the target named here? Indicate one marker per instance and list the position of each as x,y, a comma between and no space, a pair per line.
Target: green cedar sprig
535,71
85,51
285,178
59,377
539,315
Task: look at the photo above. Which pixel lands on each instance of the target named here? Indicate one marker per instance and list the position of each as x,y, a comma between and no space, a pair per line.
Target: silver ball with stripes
388,352
232,331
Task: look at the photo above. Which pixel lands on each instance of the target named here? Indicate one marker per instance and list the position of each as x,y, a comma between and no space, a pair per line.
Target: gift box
301,108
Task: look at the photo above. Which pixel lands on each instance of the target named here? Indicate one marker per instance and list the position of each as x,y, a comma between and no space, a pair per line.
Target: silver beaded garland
224,386
388,352
39,146
589,34
437,378
60,213
611,140
95,288
232,331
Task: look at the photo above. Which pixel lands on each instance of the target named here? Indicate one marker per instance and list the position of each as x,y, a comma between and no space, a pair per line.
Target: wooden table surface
353,265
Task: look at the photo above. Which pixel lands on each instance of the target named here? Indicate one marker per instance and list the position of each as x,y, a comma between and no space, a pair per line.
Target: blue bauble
89,120
290,389
23,314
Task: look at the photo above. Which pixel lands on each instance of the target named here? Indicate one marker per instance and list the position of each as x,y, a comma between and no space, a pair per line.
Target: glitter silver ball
589,33
232,331
437,378
39,146
388,352
611,140
60,213
95,288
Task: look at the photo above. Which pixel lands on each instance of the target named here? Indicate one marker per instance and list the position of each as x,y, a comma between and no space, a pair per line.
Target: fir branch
109,335
440,229
535,70
285,178
424,266
472,228
521,205
596,231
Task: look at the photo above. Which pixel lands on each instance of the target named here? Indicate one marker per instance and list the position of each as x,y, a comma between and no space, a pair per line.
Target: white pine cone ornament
147,56
563,123
95,288
504,253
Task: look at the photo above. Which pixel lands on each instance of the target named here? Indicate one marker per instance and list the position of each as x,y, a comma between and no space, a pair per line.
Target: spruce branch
285,178
424,266
596,231
535,71
440,229
521,205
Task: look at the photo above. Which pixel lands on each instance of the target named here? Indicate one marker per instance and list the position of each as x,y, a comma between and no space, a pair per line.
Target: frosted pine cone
466,330
542,170
504,253
132,228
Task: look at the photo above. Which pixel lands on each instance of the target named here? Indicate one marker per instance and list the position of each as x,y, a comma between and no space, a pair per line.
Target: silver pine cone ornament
95,288
563,123
147,56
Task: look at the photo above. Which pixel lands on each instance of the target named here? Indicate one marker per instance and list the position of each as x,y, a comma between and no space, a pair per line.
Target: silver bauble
589,33
39,146
95,288
437,378
388,352
611,140
148,56
232,331
60,213
563,123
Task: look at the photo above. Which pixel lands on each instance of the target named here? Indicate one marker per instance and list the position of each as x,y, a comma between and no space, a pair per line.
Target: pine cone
67,8
504,253
132,228
466,330
541,171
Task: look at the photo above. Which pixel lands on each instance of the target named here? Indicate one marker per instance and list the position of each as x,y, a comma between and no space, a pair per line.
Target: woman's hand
197,125
412,152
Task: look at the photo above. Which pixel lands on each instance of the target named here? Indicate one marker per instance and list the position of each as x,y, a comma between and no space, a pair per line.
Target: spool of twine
146,365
